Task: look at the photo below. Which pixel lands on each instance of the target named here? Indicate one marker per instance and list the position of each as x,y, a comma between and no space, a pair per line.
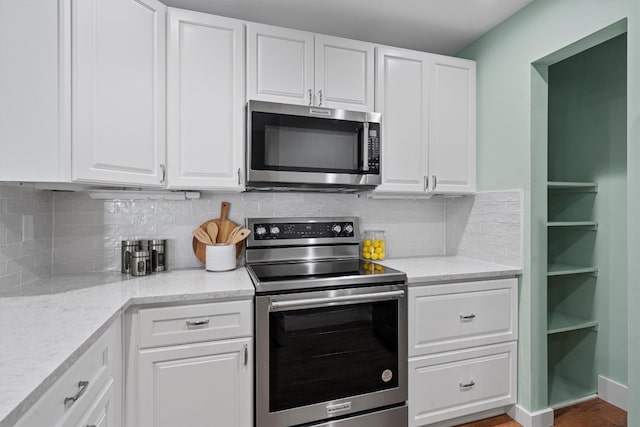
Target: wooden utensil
202,236
240,235
231,235
200,249
212,231
224,225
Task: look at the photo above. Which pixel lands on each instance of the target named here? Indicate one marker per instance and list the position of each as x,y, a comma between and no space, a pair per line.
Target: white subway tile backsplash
22,262
486,226
76,234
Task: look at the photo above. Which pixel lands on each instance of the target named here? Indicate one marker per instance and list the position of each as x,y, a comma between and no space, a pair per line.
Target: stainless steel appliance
331,329
294,146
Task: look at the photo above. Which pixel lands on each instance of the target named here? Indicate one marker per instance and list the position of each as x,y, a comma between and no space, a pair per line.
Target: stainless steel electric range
331,329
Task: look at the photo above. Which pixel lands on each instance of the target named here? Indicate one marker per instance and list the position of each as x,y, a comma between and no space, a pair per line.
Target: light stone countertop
424,270
52,322
49,324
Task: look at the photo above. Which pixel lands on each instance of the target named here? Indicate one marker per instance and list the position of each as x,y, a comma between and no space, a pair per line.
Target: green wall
509,132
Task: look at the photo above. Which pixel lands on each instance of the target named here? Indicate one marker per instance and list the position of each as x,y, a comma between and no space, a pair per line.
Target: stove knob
348,228
274,230
261,230
336,228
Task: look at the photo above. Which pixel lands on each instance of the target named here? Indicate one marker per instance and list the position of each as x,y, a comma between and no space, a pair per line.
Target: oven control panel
302,230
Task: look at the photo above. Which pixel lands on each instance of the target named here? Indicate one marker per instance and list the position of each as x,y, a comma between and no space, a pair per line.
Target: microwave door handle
333,301
365,146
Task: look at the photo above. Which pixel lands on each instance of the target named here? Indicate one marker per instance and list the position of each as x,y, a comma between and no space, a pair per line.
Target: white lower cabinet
462,350
88,393
190,365
205,384
449,385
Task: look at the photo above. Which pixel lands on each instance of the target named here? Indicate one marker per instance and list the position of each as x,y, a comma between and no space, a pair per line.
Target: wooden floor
594,413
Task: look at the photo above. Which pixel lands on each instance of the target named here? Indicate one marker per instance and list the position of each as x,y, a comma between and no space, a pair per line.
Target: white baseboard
612,392
542,418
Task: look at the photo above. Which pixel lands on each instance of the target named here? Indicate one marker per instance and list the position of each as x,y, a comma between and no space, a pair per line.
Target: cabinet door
206,384
344,73
279,64
118,95
402,90
452,125
205,101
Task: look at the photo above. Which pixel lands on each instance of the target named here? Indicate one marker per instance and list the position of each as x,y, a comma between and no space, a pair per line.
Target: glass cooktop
273,277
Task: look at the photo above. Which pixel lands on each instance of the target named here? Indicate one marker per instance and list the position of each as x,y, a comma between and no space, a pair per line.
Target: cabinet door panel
279,64
205,101
205,384
452,145
449,385
344,73
118,62
402,99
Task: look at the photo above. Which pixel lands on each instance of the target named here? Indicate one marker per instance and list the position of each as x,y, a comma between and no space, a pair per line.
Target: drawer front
165,326
95,368
455,384
461,315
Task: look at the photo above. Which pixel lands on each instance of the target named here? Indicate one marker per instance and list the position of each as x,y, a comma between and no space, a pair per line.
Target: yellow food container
374,245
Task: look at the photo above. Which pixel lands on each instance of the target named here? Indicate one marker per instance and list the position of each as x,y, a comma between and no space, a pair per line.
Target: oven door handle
333,301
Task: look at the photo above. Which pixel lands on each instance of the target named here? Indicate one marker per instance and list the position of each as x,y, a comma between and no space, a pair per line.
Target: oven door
327,354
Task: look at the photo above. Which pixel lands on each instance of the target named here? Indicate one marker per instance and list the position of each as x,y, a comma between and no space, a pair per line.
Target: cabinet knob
163,170
435,181
467,317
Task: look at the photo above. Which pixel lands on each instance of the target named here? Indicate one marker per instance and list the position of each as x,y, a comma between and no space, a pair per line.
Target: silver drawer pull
467,386
82,387
197,323
464,318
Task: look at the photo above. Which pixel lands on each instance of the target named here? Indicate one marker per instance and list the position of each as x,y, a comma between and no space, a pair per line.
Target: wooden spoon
240,235
212,231
202,236
231,235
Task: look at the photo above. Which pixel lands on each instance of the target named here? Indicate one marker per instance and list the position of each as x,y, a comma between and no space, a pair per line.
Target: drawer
97,367
460,315
184,324
450,385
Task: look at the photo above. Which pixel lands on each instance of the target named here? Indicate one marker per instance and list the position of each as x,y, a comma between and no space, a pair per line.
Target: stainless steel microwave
297,146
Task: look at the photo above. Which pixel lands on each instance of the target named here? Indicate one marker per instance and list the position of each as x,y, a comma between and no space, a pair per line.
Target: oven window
322,354
305,144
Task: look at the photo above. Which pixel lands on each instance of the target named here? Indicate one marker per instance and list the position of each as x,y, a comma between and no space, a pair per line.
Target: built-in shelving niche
571,286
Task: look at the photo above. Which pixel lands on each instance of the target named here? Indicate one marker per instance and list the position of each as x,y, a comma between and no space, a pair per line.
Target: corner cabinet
428,122
297,67
205,100
118,91
87,103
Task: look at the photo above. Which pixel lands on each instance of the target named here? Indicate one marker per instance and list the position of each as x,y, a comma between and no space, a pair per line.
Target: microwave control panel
374,151
303,230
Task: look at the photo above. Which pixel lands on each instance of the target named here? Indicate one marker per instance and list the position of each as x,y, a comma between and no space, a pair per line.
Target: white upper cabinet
428,122
118,91
205,101
34,91
452,125
402,98
344,73
279,64
297,67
